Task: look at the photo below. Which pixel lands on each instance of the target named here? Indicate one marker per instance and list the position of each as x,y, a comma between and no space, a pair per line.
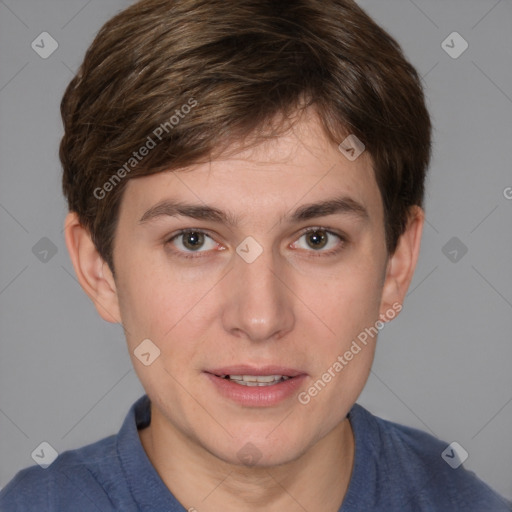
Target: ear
93,273
402,263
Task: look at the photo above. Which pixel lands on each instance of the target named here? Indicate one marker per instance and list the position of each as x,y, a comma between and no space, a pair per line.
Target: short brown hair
239,64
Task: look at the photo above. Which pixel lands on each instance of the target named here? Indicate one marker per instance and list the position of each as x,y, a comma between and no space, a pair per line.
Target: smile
256,380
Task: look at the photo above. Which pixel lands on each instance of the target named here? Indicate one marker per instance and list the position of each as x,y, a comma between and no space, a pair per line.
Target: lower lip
256,396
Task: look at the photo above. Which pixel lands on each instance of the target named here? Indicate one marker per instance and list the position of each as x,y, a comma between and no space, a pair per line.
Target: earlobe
91,270
402,262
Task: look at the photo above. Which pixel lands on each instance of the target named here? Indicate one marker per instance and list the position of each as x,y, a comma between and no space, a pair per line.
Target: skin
292,306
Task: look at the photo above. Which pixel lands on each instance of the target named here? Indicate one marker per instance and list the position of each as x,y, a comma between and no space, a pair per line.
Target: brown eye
193,240
321,241
317,239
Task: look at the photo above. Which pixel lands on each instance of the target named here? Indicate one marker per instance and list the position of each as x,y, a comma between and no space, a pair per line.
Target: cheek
155,297
346,300
171,313
348,305
342,362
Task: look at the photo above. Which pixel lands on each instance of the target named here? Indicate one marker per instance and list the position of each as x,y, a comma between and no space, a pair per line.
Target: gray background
443,366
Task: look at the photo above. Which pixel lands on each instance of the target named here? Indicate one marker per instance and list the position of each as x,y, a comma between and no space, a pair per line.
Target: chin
259,449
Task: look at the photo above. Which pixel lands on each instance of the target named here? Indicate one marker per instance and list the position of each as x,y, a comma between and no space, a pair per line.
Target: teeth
257,380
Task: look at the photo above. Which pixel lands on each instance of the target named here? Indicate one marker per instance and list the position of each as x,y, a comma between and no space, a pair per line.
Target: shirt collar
147,488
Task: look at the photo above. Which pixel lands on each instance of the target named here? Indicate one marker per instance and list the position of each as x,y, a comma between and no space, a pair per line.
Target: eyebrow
340,205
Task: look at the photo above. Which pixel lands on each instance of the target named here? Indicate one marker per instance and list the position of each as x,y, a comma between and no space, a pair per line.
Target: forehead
278,174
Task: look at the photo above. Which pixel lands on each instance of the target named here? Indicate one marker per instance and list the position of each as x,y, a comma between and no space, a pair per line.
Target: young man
245,183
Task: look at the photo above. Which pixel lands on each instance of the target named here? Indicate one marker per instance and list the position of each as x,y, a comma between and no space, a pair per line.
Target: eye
320,240
189,242
192,241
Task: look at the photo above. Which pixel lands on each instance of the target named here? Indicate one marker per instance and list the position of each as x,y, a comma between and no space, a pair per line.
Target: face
229,269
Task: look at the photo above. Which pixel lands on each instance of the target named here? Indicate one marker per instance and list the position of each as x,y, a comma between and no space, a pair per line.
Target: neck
199,480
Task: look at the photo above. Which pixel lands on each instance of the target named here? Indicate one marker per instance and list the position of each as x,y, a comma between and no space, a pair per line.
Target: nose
259,302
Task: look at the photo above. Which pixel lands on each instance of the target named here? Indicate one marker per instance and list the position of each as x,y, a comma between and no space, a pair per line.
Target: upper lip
252,370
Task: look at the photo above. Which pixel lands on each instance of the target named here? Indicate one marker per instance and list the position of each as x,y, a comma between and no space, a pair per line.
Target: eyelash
200,254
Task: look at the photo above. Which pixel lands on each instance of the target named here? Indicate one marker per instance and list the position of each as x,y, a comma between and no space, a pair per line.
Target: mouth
253,386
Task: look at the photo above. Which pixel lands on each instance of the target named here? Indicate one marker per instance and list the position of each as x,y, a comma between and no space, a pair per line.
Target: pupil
319,239
193,240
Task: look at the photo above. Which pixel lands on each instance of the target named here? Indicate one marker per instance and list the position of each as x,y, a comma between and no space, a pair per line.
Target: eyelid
327,229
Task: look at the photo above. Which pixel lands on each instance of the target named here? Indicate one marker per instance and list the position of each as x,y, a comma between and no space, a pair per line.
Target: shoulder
423,472
77,480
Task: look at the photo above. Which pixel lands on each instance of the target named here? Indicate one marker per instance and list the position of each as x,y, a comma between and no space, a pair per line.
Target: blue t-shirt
396,469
